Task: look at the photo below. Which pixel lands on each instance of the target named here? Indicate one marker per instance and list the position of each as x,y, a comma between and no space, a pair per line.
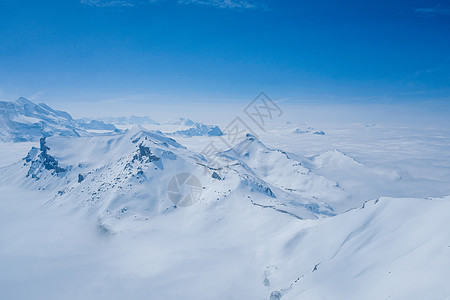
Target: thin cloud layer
230,4
224,4
107,3
433,11
115,3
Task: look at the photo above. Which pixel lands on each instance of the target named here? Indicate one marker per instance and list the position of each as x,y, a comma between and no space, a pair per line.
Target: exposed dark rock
31,154
275,295
315,267
269,192
145,154
50,163
43,159
43,147
80,178
216,176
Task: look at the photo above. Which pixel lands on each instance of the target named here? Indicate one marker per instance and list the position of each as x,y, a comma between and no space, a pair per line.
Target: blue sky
225,50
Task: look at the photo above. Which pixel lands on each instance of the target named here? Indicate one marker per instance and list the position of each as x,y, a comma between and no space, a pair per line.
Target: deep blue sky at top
222,49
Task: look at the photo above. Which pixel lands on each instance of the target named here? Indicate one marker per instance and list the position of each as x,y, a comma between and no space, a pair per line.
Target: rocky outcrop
144,154
40,160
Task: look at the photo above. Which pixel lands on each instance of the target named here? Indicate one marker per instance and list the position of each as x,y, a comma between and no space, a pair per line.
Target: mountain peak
250,144
24,101
137,128
335,159
137,133
251,137
183,121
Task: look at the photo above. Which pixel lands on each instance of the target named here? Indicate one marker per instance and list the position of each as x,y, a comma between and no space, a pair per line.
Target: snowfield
359,212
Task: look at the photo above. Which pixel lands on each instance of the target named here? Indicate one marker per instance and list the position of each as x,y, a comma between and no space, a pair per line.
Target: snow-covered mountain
100,171
199,129
132,120
181,127
284,171
23,120
126,176
182,121
184,127
96,125
307,129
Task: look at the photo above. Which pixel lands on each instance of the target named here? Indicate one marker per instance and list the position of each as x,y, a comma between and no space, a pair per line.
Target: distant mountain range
132,120
307,129
22,120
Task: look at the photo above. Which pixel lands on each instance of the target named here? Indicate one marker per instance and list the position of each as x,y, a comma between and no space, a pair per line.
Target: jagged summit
40,160
110,174
24,101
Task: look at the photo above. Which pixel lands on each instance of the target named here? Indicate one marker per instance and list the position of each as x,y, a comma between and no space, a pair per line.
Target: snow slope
393,248
387,249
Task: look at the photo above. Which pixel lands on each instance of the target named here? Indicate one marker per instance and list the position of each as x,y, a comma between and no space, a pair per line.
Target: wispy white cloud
112,3
437,10
36,96
445,67
107,3
226,4
133,98
230,4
